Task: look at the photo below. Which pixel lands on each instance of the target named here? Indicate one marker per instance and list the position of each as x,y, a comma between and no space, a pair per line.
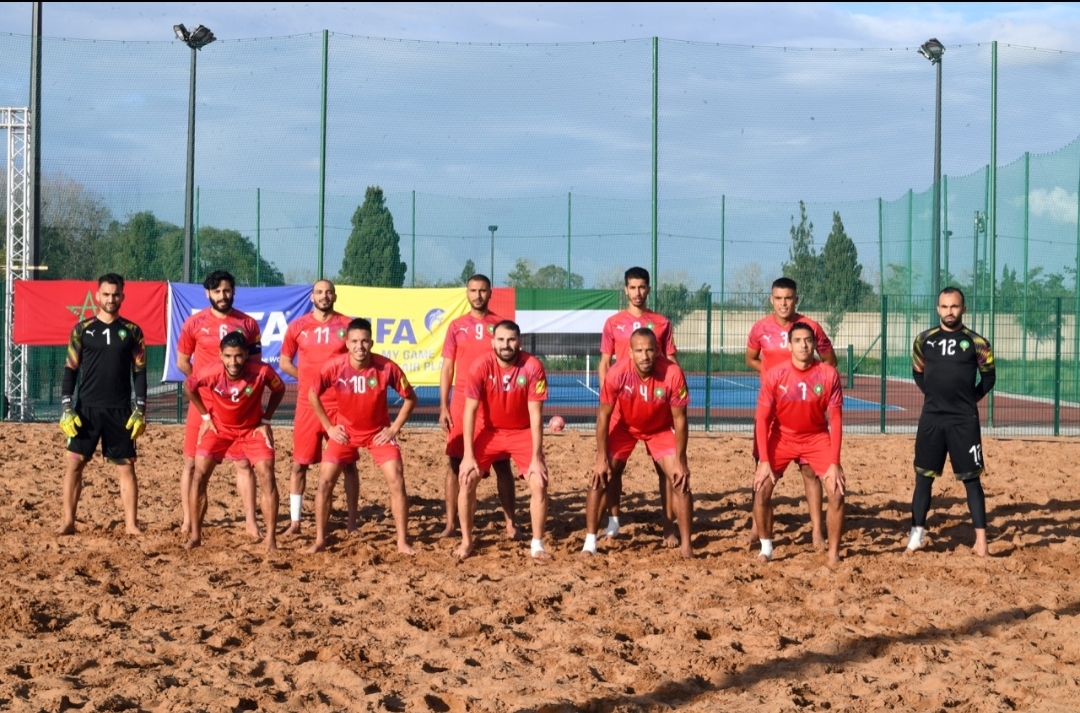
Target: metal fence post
1057,367
884,355
708,361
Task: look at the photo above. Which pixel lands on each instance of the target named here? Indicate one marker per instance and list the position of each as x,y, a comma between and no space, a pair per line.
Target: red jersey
505,392
235,404
203,331
361,393
615,339
771,340
467,339
316,343
645,404
797,400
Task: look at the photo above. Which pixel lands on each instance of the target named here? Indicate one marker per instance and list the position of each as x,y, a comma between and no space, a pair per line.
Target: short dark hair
636,273
479,278
359,323
799,326
111,278
508,324
234,339
950,290
216,277
785,283
329,282
644,332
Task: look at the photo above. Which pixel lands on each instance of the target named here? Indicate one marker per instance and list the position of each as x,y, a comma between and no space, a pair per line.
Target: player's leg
245,488
307,449
71,490
394,471
466,509
191,442
538,508
352,497
595,503
504,483
455,449
763,519
452,493
814,502
834,521
817,456
965,453
297,486
197,500
681,504
930,450
752,531
324,499
264,469
119,449
129,496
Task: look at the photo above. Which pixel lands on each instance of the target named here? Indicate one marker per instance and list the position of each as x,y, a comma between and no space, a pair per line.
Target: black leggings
920,501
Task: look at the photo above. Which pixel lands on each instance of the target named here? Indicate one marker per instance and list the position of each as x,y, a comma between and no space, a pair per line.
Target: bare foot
67,528
751,535
185,526
686,552
254,531
463,551
820,543
541,555
980,550
133,530
834,557
671,540
448,532
294,528
319,546
271,547
514,532
405,549
193,543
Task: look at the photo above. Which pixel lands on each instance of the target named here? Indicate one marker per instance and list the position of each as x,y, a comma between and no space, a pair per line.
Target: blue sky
501,134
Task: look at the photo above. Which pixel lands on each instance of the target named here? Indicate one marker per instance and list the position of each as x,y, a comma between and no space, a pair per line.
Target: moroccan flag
46,310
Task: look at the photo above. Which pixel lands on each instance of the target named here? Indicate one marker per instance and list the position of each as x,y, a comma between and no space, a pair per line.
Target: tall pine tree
843,288
373,254
804,263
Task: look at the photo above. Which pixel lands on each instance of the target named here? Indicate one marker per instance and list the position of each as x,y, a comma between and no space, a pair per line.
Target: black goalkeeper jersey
108,356
945,364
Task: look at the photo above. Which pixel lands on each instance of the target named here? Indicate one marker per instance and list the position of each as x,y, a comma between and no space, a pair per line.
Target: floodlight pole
189,181
493,228
935,286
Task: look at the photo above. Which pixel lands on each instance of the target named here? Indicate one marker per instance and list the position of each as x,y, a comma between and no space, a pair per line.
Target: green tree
73,222
676,300
468,271
804,263
373,253
842,286
549,277
142,248
229,250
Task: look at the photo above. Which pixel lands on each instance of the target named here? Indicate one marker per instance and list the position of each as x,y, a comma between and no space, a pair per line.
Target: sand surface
103,621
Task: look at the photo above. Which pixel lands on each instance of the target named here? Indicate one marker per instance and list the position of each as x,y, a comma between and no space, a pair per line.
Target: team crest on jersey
521,380
658,393
372,382
964,344
682,393
491,329
818,388
341,334
123,333
248,390
541,386
650,325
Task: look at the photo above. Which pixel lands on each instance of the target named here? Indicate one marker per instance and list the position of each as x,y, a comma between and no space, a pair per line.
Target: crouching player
651,395
511,385
361,379
235,415
791,424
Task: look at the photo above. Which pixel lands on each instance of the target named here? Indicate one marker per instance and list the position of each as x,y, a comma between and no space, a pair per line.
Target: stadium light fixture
200,37
493,228
933,50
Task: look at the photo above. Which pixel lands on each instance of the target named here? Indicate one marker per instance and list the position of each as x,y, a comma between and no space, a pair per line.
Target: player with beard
615,346
651,395
232,419
199,346
511,386
468,338
312,340
109,353
945,361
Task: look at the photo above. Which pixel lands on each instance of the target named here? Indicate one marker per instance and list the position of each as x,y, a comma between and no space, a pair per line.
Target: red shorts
250,446
348,454
757,456
455,439
493,445
621,442
191,434
814,449
308,433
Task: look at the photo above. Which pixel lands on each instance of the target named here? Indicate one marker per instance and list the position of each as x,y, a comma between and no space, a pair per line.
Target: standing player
199,346
362,421
468,337
511,386
767,346
945,360
233,418
651,395
316,338
791,424
615,345
110,352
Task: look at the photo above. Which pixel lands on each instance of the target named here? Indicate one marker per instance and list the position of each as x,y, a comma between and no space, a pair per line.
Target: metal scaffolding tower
17,257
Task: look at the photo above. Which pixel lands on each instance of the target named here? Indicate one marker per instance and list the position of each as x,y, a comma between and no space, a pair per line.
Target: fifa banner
45,311
408,326
272,307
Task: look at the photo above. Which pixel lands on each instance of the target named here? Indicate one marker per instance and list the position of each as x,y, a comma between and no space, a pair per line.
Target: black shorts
108,426
961,440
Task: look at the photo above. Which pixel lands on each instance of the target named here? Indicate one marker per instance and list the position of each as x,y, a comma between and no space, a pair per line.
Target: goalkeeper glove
70,422
136,424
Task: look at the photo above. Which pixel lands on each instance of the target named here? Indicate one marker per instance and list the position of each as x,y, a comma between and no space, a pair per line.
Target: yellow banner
408,326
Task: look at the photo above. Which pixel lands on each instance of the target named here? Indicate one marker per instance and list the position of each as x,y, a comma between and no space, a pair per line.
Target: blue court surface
727,392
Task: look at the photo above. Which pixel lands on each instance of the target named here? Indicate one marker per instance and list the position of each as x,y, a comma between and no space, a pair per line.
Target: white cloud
1057,204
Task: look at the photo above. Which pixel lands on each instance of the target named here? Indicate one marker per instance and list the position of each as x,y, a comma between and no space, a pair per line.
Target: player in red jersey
232,419
791,424
314,339
650,392
468,337
766,347
511,386
199,346
615,345
361,379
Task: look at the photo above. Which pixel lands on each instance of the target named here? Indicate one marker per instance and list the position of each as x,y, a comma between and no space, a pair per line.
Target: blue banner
272,307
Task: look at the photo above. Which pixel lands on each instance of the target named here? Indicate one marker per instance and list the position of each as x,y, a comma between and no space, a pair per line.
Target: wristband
265,422
206,417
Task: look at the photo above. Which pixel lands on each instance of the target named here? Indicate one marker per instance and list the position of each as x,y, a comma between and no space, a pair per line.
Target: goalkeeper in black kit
107,356
945,363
